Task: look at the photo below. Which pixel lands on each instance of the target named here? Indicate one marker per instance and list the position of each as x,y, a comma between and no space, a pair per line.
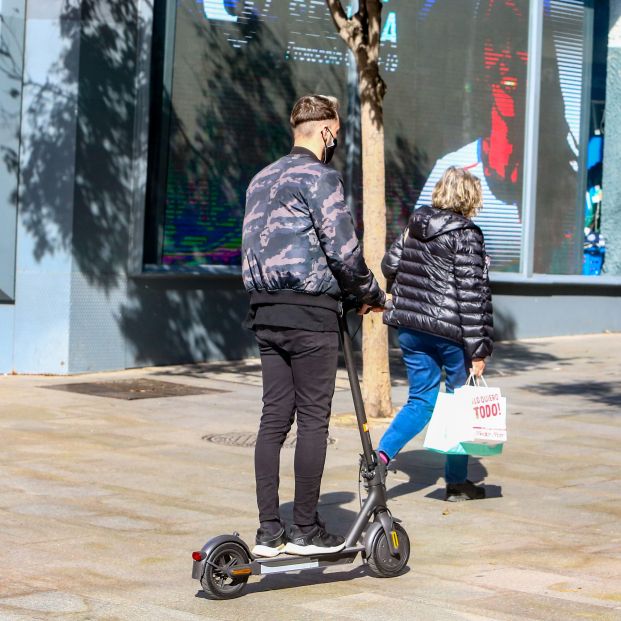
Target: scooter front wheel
381,562
216,581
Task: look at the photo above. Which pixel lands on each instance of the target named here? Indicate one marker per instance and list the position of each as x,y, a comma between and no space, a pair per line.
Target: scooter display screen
456,75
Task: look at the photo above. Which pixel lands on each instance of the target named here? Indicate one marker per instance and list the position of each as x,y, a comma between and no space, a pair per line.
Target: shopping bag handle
474,380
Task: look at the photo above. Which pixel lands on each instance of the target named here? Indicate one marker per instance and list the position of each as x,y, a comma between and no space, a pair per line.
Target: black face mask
329,149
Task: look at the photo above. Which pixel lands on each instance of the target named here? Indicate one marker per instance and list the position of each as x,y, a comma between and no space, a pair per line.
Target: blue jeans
424,356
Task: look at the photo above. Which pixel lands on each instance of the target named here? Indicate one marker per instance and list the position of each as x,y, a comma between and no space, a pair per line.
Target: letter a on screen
389,32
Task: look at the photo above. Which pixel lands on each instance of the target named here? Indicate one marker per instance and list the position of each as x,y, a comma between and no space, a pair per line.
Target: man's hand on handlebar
367,308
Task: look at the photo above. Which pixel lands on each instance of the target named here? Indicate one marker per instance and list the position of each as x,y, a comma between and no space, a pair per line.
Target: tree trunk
362,33
376,388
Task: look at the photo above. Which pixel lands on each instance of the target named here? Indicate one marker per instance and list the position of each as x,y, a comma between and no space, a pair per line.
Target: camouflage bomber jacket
298,234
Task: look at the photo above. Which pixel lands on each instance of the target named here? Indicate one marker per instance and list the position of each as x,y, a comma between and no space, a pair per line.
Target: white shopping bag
483,413
471,421
441,433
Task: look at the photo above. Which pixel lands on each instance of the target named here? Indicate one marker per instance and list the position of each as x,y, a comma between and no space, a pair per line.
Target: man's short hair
312,108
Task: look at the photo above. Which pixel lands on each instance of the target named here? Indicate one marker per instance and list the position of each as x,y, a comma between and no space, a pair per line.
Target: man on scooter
300,255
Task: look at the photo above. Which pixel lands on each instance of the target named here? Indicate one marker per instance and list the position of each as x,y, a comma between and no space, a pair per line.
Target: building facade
130,129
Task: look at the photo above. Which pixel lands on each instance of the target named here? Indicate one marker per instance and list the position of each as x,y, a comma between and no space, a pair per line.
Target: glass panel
459,99
238,66
565,85
11,65
594,251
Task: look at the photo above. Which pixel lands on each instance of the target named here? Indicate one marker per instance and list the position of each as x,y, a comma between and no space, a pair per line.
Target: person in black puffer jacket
437,273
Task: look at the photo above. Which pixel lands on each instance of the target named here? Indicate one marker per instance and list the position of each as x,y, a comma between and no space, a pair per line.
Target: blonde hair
458,190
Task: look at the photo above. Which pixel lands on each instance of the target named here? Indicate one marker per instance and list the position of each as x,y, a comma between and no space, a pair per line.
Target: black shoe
457,492
269,544
315,541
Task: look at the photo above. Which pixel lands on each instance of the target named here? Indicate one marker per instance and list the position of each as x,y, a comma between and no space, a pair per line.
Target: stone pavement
103,500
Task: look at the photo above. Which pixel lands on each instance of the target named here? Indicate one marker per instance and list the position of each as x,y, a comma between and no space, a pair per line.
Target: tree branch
362,12
374,29
339,17
351,30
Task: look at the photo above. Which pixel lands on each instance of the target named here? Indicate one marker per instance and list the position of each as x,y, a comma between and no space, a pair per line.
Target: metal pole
350,364
531,136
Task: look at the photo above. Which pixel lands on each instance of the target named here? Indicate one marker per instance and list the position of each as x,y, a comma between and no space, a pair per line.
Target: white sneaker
269,545
316,541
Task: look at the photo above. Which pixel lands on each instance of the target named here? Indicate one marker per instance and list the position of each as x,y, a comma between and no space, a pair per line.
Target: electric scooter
224,564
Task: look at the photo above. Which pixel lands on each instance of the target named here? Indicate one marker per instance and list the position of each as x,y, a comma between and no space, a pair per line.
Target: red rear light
197,556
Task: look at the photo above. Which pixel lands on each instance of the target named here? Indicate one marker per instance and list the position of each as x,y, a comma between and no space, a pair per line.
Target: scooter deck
287,562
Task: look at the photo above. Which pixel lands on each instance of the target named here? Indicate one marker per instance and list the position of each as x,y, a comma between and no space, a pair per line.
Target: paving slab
103,500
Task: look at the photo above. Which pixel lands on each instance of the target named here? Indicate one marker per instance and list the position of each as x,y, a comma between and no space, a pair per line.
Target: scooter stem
363,427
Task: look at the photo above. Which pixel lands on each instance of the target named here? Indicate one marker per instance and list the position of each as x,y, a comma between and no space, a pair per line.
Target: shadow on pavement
514,357
491,491
607,393
510,357
425,468
248,366
305,578
337,518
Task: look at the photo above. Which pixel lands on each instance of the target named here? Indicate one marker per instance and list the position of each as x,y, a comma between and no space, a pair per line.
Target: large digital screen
456,77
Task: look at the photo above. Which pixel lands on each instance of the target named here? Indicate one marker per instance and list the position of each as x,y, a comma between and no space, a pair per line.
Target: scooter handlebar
350,304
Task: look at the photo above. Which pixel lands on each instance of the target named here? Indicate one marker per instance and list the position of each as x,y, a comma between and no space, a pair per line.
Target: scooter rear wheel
216,582
381,562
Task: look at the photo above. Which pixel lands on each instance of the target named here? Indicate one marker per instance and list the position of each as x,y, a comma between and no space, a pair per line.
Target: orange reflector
365,427
395,539
244,571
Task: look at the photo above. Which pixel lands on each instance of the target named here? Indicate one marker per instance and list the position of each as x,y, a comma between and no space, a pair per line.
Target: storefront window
594,250
237,68
466,107
11,63
569,189
227,72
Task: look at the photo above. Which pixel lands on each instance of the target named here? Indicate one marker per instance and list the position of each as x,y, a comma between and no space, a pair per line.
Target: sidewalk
103,500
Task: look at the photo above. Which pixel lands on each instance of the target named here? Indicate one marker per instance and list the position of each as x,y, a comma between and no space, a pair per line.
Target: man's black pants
299,371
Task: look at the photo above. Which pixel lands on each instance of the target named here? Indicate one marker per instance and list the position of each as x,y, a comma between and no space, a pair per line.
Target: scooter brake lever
364,473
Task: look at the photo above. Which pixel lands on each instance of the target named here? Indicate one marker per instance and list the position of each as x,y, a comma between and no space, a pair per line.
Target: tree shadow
209,168
82,122
338,519
242,369
94,120
504,324
426,468
316,576
605,393
514,357
173,321
163,320
207,172
509,358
